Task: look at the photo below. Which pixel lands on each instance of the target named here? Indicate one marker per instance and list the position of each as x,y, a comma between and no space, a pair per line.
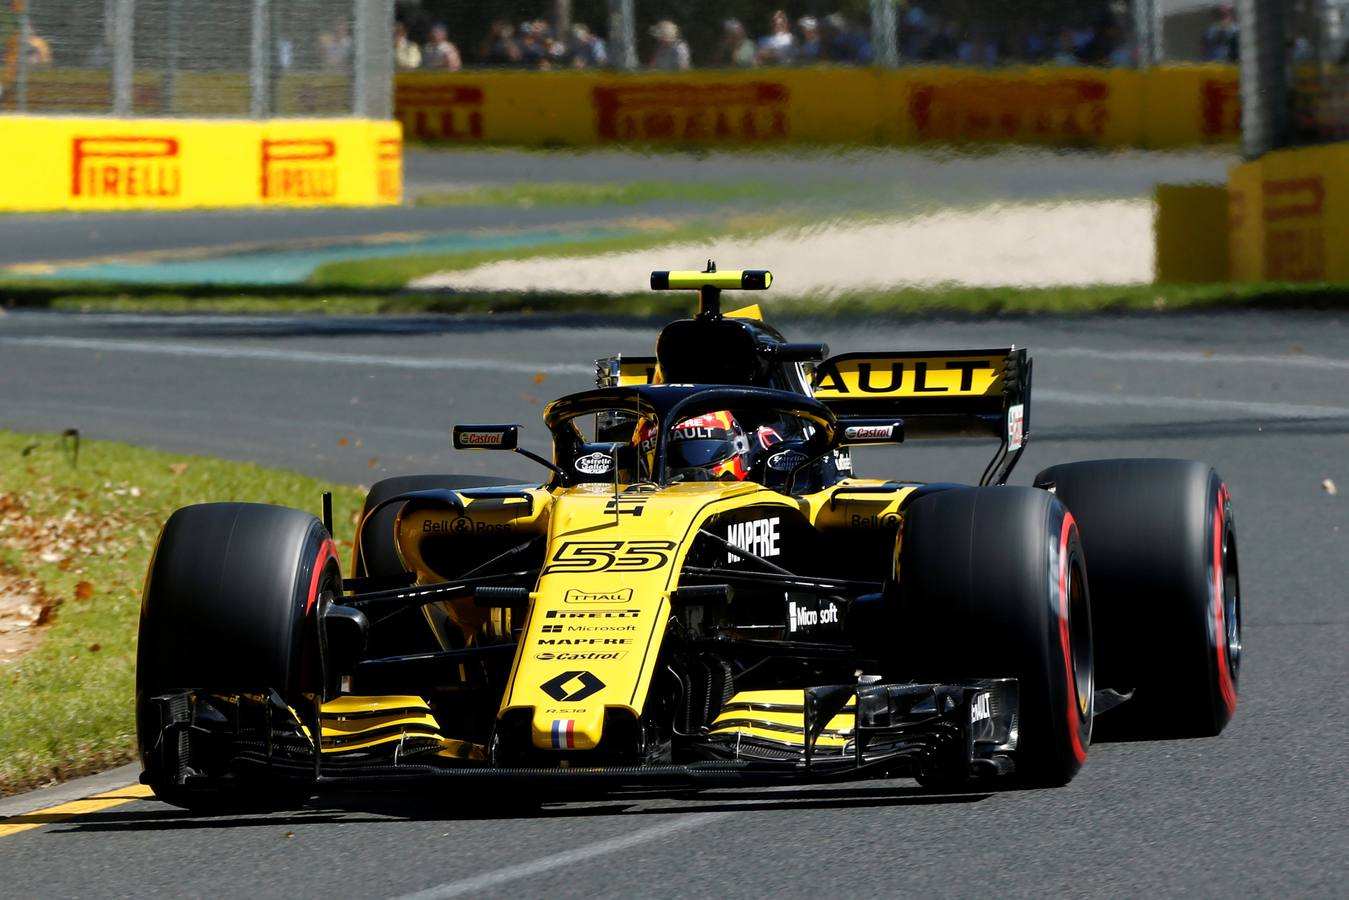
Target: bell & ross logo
299,169
125,166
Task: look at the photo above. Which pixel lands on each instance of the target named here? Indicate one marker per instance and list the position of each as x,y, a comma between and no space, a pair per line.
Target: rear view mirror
486,437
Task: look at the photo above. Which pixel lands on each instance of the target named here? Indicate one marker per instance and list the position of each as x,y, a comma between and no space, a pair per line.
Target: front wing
957,731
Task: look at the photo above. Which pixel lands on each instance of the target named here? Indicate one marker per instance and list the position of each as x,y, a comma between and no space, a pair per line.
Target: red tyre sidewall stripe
1065,640
326,552
1226,688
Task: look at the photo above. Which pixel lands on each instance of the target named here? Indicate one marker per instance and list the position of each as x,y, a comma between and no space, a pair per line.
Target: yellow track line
40,817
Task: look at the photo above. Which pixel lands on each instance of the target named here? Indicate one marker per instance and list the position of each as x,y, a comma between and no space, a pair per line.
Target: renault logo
572,687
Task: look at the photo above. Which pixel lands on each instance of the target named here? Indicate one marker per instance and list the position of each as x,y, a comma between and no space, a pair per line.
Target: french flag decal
563,734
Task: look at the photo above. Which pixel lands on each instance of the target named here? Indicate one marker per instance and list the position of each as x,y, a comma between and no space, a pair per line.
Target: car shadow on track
445,805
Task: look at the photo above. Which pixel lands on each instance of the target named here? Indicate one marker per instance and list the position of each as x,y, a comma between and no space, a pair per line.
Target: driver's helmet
714,444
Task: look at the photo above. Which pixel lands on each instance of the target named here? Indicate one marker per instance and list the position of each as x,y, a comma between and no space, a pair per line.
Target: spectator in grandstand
671,53
39,51
1219,43
535,44
736,49
808,47
406,54
1034,44
500,48
1106,35
844,41
945,42
778,47
588,50
977,50
1064,54
335,46
914,33
440,53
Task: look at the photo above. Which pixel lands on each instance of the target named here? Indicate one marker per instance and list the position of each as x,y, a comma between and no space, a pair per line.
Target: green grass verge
581,193
84,530
887,303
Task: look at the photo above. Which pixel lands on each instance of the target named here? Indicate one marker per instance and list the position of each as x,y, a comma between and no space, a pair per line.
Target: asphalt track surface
1259,811
892,181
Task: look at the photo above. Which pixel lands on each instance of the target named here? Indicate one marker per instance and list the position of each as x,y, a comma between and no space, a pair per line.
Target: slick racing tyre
992,583
375,552
230,605
1165,590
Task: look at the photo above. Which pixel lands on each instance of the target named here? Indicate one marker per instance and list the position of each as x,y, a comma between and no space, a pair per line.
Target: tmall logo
572,687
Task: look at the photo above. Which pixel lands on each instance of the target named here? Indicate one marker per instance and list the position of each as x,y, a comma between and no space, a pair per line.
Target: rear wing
938,394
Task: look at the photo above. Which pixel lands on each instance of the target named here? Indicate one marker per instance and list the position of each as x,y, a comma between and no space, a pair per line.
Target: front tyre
992,583
230,606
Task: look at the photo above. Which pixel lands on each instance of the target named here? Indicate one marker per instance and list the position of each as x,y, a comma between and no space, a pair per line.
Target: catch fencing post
884,33
123,62
260,61
1265,94
622,35
21,74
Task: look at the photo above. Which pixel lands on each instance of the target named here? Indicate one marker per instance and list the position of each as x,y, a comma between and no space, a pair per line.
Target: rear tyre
992,583
1165,590
376,550
230,605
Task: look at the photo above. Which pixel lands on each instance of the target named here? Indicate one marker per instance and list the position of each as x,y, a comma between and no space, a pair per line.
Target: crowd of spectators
530,45
1100,38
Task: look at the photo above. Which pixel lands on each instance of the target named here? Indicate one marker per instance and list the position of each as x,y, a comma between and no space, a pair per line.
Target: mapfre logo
299,169
736,113
118,166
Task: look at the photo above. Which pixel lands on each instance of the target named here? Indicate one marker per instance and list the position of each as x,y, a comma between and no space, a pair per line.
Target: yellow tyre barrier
1174,106
105,164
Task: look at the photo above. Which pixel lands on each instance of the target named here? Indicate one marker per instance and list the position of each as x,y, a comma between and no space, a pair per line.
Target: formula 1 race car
701,592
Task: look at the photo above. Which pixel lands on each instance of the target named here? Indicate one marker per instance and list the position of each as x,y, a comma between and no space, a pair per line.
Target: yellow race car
700,591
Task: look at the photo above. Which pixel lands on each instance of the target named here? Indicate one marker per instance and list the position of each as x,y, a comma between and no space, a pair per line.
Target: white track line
308,357
1191,357
1080,398
1196,404
483,882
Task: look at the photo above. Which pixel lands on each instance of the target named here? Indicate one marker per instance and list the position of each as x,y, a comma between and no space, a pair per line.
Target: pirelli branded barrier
1155,108
102,164
1288,216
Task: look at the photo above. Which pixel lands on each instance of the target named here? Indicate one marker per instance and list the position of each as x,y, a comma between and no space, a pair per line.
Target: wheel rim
1079,635
1231,601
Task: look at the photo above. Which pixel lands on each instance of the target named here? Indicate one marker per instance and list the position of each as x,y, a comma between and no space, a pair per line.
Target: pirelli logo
299,169
1296,245
1220,108
736,113
125,166
999,109
439,112
389,169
